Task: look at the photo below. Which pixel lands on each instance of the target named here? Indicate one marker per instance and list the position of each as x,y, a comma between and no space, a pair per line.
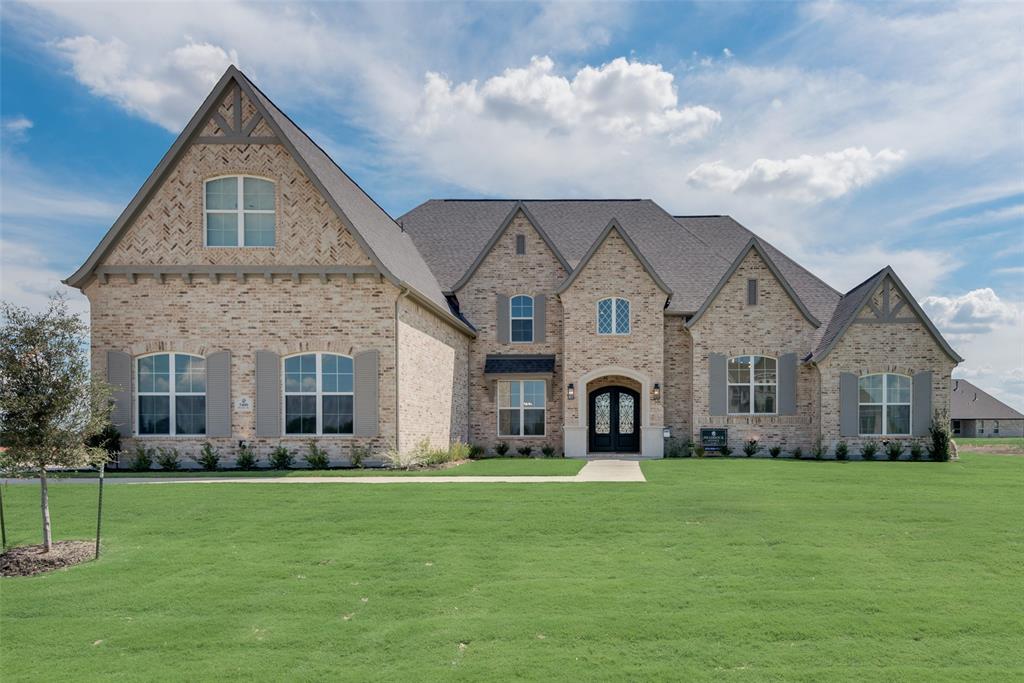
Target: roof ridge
548,199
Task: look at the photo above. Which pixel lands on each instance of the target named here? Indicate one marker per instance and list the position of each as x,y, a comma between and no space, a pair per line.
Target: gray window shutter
218,394
787,383
716,384
119,376
539,319
366,388
520,244
849,420
922,400
503,324
752,292
268,394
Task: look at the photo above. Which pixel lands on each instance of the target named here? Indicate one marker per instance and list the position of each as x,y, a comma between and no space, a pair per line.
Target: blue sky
851,136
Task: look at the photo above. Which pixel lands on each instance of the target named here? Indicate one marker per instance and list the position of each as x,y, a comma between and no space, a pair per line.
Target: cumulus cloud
978,311
164,91
27,278
16,128
806,178
621,99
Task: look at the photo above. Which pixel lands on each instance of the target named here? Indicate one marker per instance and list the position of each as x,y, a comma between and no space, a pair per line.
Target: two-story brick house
251,291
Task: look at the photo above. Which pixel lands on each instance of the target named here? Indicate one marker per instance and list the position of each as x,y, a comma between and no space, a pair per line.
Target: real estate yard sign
712,439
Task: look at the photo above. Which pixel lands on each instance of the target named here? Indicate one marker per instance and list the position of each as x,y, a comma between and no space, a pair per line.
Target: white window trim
752,383
171,394
615,313
885,404
522,408
240,211
995,427
320,393
533,309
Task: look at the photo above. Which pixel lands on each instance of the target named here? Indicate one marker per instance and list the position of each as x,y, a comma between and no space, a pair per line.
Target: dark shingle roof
690,253
971,403
845,310
504,364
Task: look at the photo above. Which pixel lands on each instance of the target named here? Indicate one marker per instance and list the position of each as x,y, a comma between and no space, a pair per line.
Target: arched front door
614,420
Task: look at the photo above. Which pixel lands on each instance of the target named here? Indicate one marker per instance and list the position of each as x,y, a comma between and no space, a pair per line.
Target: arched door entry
614,420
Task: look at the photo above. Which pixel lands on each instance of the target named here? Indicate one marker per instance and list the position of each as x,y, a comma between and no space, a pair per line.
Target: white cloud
27,278
727,52
16,128
623,100
805,178
978,311
164,91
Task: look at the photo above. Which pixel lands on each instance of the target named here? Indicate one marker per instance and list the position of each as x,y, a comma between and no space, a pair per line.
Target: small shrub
476,452
143,459
798,453
894,449
525,451
415,457
868,450
939,449
548,450
281,458
316,457
109,439
698,451
916,450
818,450
751,448
842,451
725,450
359,455
209,457
775,451
246,458
501,449
168,459
459,451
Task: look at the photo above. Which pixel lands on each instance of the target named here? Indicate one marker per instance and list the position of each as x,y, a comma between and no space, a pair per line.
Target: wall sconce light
572,392
657,391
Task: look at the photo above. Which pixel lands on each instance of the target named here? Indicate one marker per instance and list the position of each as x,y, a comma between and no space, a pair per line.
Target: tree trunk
47,535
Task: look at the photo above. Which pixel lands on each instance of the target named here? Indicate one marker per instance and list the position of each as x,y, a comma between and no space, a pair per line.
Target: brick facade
503,271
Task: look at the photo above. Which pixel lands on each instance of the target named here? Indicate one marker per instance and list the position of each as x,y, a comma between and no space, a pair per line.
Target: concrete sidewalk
593,471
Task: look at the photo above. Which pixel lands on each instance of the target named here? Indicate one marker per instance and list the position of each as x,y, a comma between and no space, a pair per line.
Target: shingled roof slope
971,403
689,253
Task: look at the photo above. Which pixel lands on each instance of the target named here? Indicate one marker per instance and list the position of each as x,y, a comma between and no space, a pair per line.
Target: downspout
401,295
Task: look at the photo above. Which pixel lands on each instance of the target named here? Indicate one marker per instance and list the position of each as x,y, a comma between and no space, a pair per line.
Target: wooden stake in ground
99,511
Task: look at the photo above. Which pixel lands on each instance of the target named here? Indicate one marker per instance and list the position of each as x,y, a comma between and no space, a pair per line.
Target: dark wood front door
614,420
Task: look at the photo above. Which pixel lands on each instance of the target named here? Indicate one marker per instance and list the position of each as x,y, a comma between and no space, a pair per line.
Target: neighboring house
978,414
252,291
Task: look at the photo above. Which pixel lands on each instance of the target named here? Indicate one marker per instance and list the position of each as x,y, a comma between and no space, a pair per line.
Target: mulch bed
27,560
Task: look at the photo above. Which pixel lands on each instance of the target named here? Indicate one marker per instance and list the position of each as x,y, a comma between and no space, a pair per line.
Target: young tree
49,403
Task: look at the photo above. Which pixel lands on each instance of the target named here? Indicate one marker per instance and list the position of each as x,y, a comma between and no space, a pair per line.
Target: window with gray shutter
268,394
520,244
752,292
922,403
503,319
716,384
787,384
367,394
119,376
539,318
218,394
849,406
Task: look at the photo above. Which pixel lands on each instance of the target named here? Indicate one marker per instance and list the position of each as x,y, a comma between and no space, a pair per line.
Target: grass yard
724,569
491,467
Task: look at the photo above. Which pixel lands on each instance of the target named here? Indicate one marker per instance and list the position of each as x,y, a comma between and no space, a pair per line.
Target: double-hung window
239,212
171,390
613,316
521,319
884,408
318,395
521,407
752,385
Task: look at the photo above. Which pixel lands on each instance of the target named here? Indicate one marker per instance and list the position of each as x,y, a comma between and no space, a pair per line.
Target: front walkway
593,471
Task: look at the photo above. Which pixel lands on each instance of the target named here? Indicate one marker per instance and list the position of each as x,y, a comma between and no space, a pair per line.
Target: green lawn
494,467
724,569
1015,441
